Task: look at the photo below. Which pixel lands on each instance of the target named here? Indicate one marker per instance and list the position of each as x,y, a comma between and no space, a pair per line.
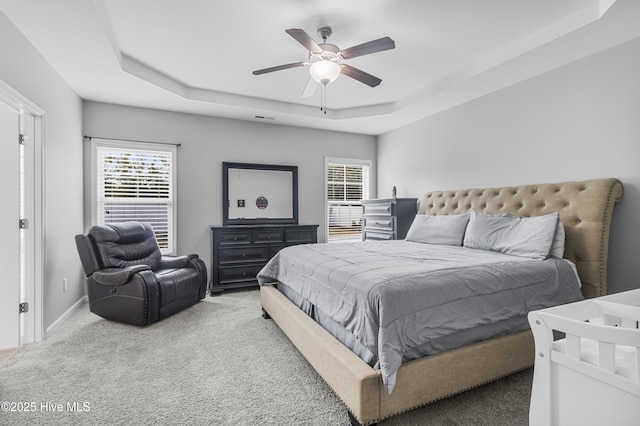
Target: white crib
589,373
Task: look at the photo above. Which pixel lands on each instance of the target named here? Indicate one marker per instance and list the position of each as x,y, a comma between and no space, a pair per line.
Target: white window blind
137,184
347,185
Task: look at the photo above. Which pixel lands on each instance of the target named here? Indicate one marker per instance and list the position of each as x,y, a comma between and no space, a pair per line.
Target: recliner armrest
117,276
176,262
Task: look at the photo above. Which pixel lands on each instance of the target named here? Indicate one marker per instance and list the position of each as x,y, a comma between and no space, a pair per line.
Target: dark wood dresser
238,252
387,218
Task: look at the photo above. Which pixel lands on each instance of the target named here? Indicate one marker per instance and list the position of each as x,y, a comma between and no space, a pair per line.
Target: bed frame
585,209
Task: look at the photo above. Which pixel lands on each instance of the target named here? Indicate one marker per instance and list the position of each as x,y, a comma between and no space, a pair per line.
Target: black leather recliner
129,281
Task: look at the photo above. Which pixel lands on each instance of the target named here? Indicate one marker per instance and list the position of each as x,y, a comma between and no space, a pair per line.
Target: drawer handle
235,238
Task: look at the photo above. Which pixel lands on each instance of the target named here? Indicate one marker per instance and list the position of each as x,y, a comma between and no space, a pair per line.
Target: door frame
33,330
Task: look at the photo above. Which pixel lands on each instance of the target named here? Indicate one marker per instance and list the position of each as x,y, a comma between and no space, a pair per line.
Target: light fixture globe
324,71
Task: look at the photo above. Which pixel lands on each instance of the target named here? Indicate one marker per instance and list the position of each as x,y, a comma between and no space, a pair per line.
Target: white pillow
440,229
521,236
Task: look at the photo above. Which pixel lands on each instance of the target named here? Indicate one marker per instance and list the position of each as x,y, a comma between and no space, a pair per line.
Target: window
347,184
136,181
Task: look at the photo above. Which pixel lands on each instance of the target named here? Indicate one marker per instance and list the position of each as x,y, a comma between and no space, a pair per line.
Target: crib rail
598,339
610,333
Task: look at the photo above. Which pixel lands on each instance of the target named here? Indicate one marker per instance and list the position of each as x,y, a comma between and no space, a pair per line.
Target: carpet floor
216,363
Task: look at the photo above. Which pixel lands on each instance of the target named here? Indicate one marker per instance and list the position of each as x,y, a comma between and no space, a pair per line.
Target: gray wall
26,71
580,121
208,141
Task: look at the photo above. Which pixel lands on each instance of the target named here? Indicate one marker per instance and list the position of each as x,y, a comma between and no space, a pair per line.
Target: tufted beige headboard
585,209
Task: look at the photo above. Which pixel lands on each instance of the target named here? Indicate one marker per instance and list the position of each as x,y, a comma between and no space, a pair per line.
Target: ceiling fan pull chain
323,98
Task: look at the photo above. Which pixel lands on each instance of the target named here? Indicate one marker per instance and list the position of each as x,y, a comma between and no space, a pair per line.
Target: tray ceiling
197,56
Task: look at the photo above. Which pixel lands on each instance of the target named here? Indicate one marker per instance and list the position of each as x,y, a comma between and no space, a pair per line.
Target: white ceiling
197,56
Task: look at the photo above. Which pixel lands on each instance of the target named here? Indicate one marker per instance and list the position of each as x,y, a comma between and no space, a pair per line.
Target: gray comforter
394,296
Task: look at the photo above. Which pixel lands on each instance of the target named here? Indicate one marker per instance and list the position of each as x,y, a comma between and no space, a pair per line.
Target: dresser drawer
275,248
243,254
230,274
268,236
380,222
234,237
300,235
379,209
368,234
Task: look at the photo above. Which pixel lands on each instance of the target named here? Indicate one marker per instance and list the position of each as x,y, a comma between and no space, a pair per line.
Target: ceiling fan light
324,71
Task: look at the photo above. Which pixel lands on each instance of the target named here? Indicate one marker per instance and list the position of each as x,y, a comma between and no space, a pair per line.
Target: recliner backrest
119,245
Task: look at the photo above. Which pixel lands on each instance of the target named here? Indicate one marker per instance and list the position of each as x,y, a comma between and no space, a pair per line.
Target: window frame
366,191
144,146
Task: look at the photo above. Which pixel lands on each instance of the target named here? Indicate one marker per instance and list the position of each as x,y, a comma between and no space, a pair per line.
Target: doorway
21,219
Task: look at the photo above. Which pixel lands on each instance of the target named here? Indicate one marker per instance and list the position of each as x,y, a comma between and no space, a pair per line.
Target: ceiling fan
325,59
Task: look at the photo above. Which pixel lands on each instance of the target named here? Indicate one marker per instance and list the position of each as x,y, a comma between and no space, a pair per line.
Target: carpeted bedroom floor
216,363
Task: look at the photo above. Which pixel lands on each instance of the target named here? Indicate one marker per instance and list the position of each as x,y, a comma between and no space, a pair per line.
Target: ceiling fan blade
384,43
310,88
278,68
360,75
304,39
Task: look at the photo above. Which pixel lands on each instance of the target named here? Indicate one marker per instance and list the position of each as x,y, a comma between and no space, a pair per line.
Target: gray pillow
520,236
440,229
557,247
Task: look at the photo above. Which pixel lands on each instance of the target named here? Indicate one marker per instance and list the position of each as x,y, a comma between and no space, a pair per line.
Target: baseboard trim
62,318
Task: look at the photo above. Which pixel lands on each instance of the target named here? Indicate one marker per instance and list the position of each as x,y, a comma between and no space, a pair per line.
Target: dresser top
387,200
264,225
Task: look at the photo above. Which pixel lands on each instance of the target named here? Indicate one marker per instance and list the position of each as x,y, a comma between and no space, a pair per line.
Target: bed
585,209
587,368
